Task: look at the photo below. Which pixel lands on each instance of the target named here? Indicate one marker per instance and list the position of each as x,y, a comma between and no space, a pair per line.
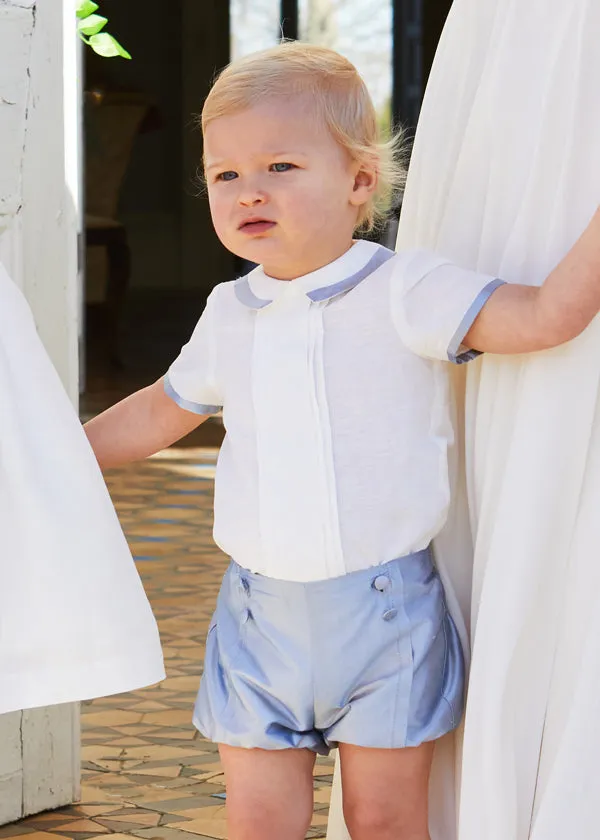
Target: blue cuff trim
195,408
466,324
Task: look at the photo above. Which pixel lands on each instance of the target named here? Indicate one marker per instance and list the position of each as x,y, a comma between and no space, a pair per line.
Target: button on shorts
372,658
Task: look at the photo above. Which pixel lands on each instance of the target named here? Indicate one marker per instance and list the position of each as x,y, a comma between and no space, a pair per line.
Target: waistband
410,568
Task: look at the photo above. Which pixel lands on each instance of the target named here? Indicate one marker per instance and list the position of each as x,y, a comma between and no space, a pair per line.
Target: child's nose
251,199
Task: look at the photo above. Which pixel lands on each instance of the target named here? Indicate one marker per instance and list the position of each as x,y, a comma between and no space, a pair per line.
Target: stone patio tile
148,706
183,683
169,772
120,836
170,717
318,820
164,833
174,806
87,826
183,762
159,752
133,729
212,823
322,770
31,835
115,765
130,741
323,795
33,825
111,779
151,794
141,819
170,786
121,826
93,811
93,795
49,817
197,813
210,760
167,819
176,734
93,751
112,718
200,789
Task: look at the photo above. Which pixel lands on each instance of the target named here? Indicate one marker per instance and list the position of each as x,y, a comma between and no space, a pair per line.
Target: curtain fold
504,176
75,622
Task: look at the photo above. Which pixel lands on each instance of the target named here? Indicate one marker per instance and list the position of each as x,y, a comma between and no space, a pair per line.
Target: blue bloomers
371,658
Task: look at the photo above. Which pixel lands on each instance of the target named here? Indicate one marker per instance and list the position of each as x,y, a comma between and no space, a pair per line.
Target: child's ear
365,184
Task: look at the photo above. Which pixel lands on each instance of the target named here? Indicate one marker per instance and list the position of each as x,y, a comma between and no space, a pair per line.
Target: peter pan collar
257,290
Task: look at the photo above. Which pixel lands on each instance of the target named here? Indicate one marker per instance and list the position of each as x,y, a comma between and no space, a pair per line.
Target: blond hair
340,98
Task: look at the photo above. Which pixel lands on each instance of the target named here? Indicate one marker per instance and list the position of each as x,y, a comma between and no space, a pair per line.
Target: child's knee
369,820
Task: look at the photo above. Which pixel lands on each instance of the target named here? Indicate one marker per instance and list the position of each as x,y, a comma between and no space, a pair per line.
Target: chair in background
112,122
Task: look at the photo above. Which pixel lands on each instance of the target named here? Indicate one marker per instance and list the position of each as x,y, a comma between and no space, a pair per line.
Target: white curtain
74,619
505,175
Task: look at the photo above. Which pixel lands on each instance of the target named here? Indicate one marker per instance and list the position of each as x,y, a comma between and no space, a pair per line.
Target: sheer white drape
504,176
74,619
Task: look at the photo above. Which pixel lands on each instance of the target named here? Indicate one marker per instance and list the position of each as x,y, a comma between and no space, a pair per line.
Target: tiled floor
146,772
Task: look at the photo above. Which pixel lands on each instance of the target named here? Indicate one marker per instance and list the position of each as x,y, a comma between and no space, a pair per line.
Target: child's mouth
256,226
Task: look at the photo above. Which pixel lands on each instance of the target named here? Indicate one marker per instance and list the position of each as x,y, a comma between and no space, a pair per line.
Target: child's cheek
219,219
217,211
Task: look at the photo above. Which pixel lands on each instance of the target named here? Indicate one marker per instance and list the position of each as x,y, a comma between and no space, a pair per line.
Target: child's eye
230,175
281,167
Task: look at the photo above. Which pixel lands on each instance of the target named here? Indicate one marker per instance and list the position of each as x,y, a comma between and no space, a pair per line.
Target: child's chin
255,248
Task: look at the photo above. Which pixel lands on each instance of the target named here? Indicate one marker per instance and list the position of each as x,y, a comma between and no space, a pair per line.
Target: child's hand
522,319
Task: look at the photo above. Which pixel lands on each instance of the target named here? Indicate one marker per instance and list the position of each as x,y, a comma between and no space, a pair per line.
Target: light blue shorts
372,659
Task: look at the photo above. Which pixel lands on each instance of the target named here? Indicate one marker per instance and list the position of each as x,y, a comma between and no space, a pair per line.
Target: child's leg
269,793
385,792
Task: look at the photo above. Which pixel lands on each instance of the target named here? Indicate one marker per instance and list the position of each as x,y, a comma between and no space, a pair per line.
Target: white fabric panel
74,620
504,177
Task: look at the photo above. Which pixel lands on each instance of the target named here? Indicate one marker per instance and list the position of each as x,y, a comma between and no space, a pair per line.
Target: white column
39,213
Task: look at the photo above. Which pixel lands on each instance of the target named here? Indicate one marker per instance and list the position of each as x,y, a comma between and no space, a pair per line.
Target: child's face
282,191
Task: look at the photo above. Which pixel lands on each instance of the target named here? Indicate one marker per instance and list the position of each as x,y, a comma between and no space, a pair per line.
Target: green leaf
85,8
107,46
92,24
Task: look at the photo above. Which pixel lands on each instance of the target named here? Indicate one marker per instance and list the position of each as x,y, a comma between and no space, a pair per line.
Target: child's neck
306,266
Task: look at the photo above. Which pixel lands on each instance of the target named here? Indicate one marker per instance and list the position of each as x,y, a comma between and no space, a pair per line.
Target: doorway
152,256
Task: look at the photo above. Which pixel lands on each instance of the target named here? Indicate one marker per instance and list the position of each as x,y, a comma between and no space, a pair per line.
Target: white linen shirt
335,405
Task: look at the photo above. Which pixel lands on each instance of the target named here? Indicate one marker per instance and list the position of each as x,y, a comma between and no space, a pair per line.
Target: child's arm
138,426
157,416
522,319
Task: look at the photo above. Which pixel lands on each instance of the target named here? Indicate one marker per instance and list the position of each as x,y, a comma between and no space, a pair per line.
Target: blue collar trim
245,295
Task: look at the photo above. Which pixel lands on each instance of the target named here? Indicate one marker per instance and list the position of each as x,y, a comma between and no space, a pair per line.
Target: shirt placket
323,435
296,483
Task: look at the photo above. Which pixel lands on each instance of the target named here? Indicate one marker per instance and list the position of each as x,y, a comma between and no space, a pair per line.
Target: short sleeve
434,304
191,380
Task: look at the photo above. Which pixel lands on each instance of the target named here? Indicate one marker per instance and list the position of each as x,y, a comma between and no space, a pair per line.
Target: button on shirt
334,395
